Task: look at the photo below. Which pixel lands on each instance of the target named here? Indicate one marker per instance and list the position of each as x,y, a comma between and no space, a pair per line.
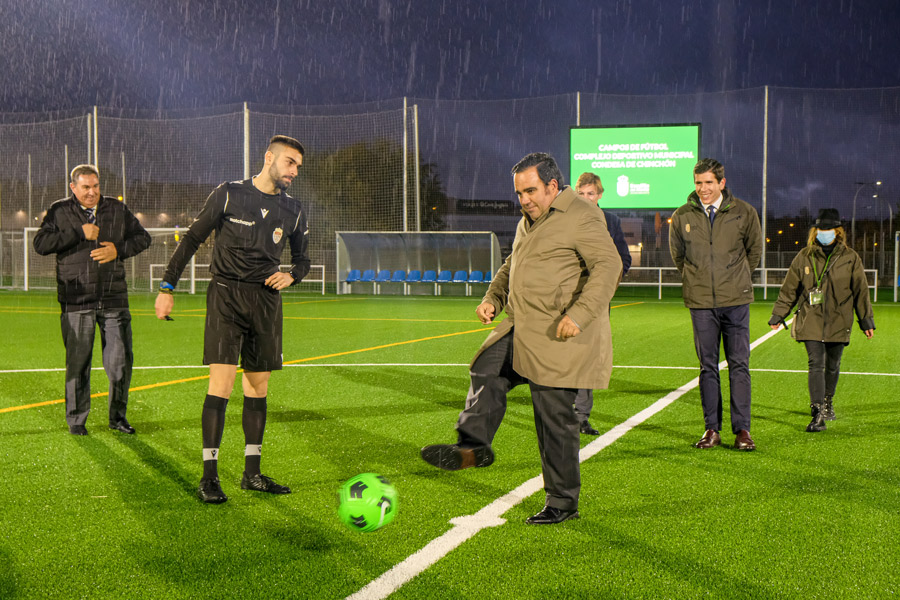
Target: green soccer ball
367,502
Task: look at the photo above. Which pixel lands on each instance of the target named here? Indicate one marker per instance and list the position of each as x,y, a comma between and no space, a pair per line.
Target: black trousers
730,328
492,376
824,368
78,329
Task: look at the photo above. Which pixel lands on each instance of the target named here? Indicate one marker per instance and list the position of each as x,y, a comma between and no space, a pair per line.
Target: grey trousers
78,329
584,404
492,376
730,328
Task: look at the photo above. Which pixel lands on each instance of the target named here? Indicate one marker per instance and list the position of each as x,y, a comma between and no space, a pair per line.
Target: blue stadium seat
476,277
487,277
352,277
398,277
368,275
444,277
414,276
460,277
383,275
429,277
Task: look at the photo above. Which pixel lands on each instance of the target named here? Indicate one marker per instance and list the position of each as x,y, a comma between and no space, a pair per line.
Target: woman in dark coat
827,280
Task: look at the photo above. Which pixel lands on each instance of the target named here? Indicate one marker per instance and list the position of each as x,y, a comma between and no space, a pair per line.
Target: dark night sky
61,54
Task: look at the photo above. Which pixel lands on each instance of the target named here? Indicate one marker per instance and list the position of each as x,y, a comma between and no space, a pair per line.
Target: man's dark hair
83,170
705,165
546,167
285,141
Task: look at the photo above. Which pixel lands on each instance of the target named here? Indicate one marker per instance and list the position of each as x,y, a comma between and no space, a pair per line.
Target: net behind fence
35,158
791,151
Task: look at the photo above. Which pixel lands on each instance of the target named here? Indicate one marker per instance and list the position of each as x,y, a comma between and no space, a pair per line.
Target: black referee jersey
251,229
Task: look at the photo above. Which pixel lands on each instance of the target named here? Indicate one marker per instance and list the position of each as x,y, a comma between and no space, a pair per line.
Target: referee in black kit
252,219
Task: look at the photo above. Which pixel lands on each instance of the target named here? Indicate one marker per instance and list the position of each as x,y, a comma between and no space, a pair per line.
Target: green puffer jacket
716,263
845,292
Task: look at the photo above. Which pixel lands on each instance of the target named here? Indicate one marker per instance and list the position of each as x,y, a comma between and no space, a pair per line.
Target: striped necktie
91,217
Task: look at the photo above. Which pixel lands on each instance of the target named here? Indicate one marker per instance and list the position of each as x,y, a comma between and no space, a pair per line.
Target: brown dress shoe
710,439
743,441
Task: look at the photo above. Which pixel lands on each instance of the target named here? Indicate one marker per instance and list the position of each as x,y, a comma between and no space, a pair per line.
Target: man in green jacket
716,243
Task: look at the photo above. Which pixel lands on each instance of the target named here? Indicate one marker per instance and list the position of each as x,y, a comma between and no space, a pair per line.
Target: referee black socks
253,420
212,424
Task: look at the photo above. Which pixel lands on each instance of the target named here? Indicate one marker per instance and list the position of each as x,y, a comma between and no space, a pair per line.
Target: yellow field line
434,337
291,362
379,319
624,305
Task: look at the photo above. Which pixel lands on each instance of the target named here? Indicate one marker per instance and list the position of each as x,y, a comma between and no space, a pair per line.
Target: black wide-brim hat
828,218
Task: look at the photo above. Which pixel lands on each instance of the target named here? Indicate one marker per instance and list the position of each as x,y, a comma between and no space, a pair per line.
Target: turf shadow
399,381
161,464
122,474
7,575
640,388
294,415
705,578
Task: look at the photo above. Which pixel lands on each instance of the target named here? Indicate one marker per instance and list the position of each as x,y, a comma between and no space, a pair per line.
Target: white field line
491,515
353,365
176,367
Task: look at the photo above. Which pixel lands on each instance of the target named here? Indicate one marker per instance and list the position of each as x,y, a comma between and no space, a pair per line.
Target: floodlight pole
405,167
765,206
860,186
66,176
96,144
896,266
246,141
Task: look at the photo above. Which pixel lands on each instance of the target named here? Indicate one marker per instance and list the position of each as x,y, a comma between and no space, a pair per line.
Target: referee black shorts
243,320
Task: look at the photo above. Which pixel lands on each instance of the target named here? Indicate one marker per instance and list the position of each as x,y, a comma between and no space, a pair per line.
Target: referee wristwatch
166,288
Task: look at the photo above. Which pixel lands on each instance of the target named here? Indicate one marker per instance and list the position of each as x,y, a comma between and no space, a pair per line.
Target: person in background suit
590,188
716,243
555,287
91,236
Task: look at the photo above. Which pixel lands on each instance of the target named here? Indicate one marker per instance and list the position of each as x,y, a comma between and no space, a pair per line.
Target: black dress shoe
211,492
586,428
78,430
261,483
122,425
710,439
452,457
551,516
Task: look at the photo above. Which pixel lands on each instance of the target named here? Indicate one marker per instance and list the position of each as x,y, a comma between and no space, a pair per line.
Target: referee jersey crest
277,234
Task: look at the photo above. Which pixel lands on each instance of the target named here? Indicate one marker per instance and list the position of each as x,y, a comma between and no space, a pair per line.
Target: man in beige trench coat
555,287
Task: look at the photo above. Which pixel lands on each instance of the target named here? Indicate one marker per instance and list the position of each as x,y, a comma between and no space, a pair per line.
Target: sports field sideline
368,381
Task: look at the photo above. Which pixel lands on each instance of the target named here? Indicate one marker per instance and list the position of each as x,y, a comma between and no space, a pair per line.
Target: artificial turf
114,516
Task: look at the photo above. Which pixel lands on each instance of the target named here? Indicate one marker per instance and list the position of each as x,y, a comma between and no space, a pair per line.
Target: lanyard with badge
816,295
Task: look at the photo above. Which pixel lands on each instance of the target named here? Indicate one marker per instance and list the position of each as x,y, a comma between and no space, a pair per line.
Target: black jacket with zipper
83,283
